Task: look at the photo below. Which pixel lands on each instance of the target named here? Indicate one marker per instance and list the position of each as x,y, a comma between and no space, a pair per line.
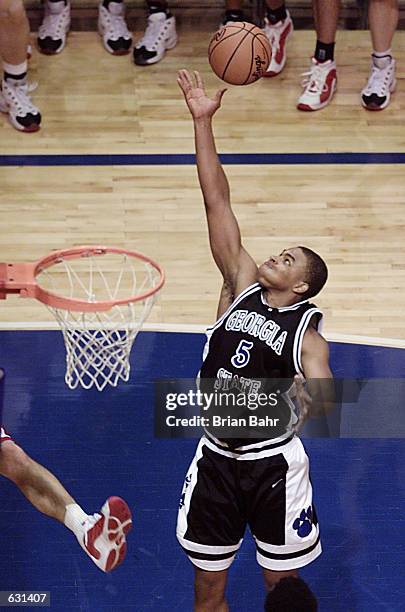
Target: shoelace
314,80
20,98
149,39
379,80
117,26
52,24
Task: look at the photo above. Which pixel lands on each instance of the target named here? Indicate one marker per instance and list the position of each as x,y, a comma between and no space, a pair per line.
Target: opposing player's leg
320,81
383,19
102,535
209,589
15,91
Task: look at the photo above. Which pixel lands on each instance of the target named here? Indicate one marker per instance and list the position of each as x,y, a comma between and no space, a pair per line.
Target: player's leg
159,36
14,93
102,536
278,28
209,589
320,82
383,19
211,523
281,514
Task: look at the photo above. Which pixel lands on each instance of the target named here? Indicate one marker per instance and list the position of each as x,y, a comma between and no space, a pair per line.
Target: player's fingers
198,79
219,95
185,79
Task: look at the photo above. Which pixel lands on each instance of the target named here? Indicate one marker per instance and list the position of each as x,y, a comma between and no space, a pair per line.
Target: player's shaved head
317,272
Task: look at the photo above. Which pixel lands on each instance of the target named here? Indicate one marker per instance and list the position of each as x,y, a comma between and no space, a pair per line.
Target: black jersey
256,348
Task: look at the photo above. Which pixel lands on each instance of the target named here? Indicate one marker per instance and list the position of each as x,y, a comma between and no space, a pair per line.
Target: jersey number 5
242,354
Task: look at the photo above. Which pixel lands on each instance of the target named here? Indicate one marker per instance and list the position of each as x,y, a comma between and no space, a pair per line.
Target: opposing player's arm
317,372
237,267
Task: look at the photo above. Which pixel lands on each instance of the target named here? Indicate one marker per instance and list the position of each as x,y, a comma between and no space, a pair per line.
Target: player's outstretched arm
237,267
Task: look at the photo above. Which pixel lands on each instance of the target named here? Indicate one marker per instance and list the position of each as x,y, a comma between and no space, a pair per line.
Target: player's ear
301,288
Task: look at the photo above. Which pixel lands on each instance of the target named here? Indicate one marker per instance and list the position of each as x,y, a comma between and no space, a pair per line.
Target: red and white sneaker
319,86
104,536
278,34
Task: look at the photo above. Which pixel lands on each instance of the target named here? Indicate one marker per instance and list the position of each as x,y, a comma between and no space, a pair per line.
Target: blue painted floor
101,444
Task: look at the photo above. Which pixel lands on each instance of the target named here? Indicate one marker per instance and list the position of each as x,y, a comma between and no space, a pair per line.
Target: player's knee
210,587
12,11
14,462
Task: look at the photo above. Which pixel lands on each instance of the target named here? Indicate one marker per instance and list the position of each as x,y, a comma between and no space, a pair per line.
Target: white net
98,344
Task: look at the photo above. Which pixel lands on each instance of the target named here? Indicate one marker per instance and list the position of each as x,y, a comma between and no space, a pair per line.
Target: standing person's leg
233,11
320,84
159,36
278,28
55,26
383,20
113,28
14,93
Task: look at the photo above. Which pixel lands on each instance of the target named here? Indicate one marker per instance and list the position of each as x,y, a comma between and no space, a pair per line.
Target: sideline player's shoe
15,100
113,28
160,35
104,534
232,17
278,34
53,31
376,94
319,86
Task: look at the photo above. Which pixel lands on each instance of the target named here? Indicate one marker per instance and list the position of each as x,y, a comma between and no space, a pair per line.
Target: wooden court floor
92,103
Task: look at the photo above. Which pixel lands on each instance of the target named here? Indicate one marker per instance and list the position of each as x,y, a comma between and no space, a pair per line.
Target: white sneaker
113,29
278,34
15,100
160,35
376,94
54,28
104,538
319,86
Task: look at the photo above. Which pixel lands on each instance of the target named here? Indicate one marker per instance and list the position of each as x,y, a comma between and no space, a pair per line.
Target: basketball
239,53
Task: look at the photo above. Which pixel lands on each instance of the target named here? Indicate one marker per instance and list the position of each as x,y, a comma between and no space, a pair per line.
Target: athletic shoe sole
387,101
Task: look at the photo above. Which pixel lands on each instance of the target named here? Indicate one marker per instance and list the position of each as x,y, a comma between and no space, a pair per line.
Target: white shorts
265,486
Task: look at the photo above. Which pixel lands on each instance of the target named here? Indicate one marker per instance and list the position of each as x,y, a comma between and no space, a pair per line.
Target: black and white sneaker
377,93
113,29
160,35
53,31
16,102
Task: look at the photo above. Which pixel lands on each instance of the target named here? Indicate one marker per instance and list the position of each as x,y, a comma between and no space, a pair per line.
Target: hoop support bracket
17,278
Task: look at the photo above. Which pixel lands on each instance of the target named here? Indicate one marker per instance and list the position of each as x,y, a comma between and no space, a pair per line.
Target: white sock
381,59
15,69
74,519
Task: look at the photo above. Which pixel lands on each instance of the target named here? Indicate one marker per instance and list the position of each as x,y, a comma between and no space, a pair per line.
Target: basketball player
102,536
15,91
263,483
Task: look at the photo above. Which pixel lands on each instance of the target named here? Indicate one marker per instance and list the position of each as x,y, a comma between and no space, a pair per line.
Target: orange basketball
239,53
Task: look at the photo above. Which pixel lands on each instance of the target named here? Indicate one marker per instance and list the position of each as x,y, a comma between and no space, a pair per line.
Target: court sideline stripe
185,159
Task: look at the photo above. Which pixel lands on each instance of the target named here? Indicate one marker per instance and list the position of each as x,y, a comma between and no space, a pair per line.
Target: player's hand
304,401
199,104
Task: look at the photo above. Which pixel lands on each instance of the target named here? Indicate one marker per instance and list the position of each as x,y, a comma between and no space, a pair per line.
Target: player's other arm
236,265
317,372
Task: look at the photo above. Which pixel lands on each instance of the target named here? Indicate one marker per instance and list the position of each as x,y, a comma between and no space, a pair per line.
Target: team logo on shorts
183,495
303,524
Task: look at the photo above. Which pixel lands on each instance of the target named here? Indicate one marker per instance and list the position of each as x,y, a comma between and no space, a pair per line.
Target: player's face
285,271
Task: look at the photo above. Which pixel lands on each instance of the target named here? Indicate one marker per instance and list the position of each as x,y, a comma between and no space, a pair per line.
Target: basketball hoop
100,297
